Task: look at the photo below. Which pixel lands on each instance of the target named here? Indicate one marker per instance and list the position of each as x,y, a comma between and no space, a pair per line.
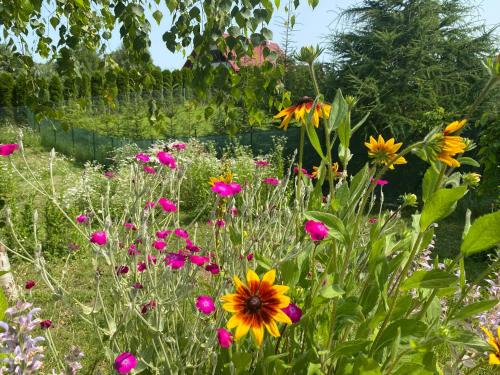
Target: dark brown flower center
254,304
305,99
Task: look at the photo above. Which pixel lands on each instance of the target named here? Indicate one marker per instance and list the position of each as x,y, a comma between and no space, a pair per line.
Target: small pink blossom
8,149
226,190
293,311
175,261
29,284
151,305
262,163
109,174
181,233
205,304
379,182
159,245
141,266
142,157
163,233
199,260
166,159
149,205
137,286
179,146
45,324
122,270
82,219
191,247
372,220
149,169
167,205
271,181
125,363
130,226
224,337
132,250
99,238
220,223
250,257
151,259
212,268
316,229
234,211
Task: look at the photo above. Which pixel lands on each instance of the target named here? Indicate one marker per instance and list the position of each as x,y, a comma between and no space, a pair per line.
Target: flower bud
309,54
409,200
471,179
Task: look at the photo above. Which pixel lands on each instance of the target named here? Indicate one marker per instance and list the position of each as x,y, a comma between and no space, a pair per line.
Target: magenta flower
151,259
199,260
293,311
129,226
226,190
125,363
166,159
179,146
205,304
29,284
262,163
220,223
137,286
271,181
99,238
45,324
151,305
122,270
225,338
212,268
234,211
163,233
316,229
159,245
109,174
175,260
191,247
132,250
149,205
379,182
82,219
250,257
167,205
8,149
149,169
181,233
141,266
142,157
372,220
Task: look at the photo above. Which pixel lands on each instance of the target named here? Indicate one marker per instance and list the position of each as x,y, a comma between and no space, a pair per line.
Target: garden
356,233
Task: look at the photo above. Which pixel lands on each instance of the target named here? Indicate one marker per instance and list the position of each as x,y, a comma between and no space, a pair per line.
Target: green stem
301,157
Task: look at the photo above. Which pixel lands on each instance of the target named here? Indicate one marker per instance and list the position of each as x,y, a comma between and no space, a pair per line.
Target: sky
312,27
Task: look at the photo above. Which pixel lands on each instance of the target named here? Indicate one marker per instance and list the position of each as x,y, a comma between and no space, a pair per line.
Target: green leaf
331,291
468,161
433,279
4,304
474,309
209,111
313,138
157,15
441,204
429,183
241,360
330,221
483,234
350,348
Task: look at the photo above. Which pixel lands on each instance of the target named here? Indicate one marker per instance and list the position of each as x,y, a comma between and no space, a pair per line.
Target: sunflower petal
258,334
494,360
281,317
269,277
234,321
252,277
232,307
241,331
281,289
272,328
232,298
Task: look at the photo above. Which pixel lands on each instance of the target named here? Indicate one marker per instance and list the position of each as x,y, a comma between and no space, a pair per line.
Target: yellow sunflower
257,305
227,178
495,343
300,110
450,145
383,152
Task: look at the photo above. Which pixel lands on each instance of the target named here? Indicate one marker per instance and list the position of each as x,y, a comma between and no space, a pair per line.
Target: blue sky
312,26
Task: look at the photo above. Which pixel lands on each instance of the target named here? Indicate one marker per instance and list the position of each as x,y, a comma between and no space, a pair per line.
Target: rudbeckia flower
450,145
383,152
495,344
299,111
257,304
227,178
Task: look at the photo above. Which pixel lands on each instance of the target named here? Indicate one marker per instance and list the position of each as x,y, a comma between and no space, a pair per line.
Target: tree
56,90
6,90
407,60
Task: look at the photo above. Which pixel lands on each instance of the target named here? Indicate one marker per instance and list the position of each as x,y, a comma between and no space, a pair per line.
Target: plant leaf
483,234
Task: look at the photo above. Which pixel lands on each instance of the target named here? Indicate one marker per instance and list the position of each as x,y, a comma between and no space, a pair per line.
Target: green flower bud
471,179
409,199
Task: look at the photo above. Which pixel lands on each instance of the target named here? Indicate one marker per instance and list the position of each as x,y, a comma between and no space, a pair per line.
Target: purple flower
125,363
167,205
199,260
99,238
271,181
129,226
29,284
191,247
149,169
109,174
181,233
151,305
175,260
205,304
224,337
166,159
82,219
226,190
45,324
122,270
379,182
142,157
137,286
8,149
179,146
250,257
294,312
261,163
141,266
316,229
220,223
212,268
163,233
159,245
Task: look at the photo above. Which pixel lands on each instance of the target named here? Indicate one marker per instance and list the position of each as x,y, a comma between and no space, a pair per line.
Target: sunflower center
254,304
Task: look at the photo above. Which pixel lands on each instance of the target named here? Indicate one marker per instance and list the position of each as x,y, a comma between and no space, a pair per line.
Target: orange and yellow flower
227,178
450,145
495,344
335,170
300,110
257,304
383,152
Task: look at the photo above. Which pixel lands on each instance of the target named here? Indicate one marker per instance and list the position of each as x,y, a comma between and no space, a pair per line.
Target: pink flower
181,233
220,223
151,259
271,181
166,159
159,245
234,211
29,284
163,233
8,149
82,219
175,261
109,174
191,247
45,324
379,182
226,190
250,257
372,220
99,238
167,205
179,146
137,286
141,266
225,338
129,226
149,169
149,205
261,163
151,305
205,304
316,229
122,270
199,260
125,363
132,250
142,157
294,312
212,268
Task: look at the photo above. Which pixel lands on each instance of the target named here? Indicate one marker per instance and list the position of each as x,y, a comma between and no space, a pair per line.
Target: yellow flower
257,304
495,343
300,110
450,145
383,152
335,170
227,178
